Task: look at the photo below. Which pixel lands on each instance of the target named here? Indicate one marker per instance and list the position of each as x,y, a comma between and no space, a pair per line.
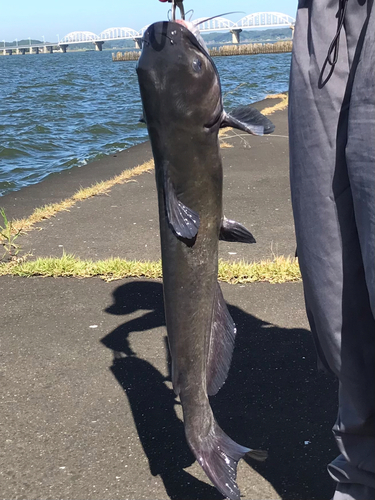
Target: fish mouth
174,34
156,36
163,33
170,46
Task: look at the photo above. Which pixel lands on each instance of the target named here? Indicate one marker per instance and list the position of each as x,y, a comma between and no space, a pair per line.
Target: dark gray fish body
182,103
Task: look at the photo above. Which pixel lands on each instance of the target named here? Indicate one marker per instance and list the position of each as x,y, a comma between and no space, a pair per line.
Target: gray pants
332,172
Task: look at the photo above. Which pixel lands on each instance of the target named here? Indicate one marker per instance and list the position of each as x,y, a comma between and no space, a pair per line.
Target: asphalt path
87,410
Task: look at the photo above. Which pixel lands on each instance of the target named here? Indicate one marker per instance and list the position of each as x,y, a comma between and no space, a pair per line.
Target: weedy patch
224,145
277,270
283,104
8,236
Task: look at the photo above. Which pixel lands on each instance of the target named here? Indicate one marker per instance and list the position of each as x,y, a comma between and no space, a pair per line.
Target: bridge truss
257,20
266,20
79,37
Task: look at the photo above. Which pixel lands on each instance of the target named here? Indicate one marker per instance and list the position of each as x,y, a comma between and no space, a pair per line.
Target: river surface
59,110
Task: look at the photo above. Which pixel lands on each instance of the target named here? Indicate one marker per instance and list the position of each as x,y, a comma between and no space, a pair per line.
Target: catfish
183,110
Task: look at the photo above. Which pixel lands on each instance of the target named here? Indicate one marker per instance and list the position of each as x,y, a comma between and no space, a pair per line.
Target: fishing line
240,136
231,91
219,15
246,135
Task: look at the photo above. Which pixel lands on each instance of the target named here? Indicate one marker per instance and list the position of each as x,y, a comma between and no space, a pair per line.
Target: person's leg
314,115
355,426
360,151
329,251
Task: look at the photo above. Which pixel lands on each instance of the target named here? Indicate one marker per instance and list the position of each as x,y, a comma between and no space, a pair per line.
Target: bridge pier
236,35
48,49
63,48
138,42
99,46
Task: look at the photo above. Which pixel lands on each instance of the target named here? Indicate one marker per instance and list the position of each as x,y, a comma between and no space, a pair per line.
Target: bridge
252,21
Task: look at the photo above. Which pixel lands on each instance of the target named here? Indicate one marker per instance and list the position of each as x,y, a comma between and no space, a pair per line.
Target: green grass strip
278,270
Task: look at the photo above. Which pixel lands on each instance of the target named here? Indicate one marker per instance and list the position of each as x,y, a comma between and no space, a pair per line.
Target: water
58,111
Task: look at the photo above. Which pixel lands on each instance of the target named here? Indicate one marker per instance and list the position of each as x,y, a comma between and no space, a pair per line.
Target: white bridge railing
79,37
257,20
265,20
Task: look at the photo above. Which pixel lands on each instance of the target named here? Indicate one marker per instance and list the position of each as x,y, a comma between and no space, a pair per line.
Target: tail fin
218,455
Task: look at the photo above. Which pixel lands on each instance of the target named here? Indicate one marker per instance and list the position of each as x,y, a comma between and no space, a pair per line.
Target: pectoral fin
223,332
249,120
182,219
234,231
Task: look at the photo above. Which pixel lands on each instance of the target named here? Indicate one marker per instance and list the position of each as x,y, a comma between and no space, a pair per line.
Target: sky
52,19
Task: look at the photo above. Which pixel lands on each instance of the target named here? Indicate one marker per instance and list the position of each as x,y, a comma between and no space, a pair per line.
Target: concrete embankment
256,193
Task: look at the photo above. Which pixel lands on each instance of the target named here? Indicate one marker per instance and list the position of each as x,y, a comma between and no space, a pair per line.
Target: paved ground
87,410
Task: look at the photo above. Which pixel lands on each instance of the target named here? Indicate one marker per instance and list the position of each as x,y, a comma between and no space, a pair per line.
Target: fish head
178,80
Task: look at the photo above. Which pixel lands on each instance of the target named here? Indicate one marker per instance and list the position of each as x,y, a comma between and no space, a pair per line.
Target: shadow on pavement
153,404
273,399
128,299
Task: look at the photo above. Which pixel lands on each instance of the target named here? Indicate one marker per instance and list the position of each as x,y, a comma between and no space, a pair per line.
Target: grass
8,235
278,270
224,144
283,104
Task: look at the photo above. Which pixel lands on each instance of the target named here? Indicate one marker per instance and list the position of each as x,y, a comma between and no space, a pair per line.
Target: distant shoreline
225,50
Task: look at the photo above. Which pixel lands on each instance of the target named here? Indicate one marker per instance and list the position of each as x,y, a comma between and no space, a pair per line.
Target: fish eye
197,65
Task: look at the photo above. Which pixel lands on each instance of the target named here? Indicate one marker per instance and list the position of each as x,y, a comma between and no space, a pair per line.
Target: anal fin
235,232
223,332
